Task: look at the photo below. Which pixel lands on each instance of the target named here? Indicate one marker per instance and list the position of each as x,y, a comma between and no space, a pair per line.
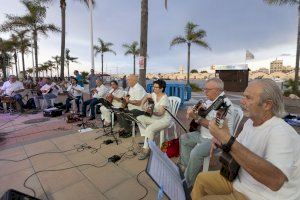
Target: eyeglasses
208,89
156,87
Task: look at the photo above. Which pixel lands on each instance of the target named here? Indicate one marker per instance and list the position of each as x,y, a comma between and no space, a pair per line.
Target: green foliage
291,88
84,76
194,71
195,87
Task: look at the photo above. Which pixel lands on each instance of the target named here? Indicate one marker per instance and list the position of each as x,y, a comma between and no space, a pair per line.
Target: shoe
92,118
125,135
144,154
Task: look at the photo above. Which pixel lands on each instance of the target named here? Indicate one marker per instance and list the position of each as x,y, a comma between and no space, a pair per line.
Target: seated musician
99,92
49,91
114,97
195,145
74,93
12,88
133,100
267,150
160,118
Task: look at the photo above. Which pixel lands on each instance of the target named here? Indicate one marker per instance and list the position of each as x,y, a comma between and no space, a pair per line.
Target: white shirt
101,92
212,114
47,87
137,92
117,93
163,102
74,92
10,88
278,143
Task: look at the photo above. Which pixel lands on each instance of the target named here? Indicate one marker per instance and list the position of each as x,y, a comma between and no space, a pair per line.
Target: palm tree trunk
23,64
91,34
36,53
63,37
57,70
16,63
102,66
51,73
134,64
68,70
143,41
297,53
188,64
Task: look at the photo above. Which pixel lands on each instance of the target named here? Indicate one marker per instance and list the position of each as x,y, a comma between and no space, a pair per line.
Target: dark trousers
69,105
126,124
92,102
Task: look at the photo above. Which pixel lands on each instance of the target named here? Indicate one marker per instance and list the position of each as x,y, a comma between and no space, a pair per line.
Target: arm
145,98
260,169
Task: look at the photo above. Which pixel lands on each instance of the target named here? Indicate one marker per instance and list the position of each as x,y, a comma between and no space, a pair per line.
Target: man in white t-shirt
267,150
195,145
133,100
98,92
12,88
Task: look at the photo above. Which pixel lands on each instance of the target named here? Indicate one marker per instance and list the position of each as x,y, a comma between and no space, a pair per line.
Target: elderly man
267,149
195,146
133,100
98,92
12,88
74,93
49,91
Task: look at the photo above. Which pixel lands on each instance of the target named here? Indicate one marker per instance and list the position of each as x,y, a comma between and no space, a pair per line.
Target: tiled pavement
113,181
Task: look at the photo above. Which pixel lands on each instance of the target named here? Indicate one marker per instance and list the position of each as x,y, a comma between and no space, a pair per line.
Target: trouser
47,98
92,102
126,124
18,99
69,104
213,186
151,126
106,114
193,150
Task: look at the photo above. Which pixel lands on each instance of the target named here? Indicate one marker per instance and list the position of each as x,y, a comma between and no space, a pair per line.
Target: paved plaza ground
89,175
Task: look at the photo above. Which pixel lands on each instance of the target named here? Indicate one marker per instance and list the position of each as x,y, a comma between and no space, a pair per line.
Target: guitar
124,102
149,107
230,167
110,96
202,112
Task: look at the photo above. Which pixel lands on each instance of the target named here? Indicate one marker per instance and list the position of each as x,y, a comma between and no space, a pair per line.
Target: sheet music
165,173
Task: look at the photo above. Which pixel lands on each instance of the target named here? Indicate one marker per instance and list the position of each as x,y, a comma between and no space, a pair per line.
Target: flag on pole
249,55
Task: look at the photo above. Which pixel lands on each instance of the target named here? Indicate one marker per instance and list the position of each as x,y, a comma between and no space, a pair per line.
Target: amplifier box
52,112
16,195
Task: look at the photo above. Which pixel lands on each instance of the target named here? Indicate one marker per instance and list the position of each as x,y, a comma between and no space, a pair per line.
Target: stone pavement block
83,190
66,142
16,180
58,180
130,189
45,161
105,178
39,147
133,166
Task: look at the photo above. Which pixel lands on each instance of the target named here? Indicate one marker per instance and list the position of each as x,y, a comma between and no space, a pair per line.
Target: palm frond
178,40
282,2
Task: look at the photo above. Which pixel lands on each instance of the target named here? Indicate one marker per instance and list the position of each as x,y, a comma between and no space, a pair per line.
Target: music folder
166,174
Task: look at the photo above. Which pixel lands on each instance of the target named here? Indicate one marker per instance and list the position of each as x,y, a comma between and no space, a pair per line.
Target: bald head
132,80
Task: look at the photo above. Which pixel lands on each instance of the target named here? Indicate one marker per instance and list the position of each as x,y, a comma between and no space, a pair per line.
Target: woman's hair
114,81
74,79
161,83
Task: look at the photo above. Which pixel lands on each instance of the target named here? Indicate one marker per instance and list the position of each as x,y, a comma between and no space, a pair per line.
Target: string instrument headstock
149,107
222,111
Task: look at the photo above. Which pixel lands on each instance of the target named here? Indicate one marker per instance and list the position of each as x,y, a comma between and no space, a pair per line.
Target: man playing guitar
195,146
12,88
49,91
74,93
267,150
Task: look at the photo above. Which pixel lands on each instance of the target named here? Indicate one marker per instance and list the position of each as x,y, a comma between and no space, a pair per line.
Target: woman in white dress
159,120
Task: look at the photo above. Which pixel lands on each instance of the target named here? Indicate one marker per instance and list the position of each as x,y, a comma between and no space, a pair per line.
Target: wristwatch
227,147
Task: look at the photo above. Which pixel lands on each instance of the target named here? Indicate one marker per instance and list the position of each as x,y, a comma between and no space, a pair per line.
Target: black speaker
16,195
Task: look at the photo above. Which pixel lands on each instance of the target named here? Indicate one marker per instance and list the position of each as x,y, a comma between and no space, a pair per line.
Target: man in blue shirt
79,78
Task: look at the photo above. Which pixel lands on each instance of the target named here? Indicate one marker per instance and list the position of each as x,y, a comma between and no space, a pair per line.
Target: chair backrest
174,104
237,118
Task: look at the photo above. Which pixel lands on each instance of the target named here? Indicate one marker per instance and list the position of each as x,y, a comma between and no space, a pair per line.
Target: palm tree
63,5
192,36
69,59
30,70
6,46
57,62
144,40
297,3
23,45
32,21
50,65
132,49
103,48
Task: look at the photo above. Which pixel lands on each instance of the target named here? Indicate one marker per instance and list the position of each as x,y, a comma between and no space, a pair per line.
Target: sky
232,27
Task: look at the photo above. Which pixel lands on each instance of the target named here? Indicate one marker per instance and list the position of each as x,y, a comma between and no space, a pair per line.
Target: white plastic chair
174,106
237,118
